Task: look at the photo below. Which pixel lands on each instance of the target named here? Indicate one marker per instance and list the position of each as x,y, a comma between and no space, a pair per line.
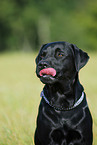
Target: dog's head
59,61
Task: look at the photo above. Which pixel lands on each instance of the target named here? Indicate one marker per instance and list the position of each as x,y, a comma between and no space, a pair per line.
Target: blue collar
62,109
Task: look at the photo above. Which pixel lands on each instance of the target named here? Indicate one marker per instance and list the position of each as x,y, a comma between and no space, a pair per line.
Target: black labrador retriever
64,117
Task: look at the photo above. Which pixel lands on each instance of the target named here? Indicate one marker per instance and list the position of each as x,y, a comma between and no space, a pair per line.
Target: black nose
43,64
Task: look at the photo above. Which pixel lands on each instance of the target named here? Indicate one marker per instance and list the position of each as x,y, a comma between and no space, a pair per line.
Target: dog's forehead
53,46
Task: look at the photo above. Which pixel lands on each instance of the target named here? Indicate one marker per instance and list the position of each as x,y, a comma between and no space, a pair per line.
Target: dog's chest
61,125
65,120
55,117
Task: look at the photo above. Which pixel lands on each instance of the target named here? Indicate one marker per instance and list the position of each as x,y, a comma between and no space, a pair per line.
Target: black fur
58,126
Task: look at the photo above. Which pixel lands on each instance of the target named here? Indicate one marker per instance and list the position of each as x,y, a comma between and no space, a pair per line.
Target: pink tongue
48,71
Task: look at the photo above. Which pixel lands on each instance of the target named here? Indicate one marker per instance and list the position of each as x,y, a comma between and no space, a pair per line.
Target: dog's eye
59,54
43,55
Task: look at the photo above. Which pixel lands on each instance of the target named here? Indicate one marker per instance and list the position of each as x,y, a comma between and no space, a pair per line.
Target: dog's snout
43,64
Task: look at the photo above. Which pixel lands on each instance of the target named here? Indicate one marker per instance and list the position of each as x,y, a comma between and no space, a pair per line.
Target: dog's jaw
47,79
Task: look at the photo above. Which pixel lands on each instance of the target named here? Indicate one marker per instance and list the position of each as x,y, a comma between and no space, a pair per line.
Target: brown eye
60,55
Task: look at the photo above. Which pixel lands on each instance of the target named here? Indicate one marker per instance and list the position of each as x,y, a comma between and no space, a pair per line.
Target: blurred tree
26,24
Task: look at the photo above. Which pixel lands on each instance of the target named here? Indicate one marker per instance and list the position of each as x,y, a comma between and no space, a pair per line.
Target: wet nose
43,65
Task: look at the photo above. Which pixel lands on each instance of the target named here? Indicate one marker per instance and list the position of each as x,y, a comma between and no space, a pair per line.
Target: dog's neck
62,95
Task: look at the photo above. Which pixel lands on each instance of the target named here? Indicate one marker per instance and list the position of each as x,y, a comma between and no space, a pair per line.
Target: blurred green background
24,26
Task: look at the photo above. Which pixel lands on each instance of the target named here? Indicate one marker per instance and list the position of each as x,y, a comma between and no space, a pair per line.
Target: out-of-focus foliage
26,24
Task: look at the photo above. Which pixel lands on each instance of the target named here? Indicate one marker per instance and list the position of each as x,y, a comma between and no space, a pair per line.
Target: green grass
20,96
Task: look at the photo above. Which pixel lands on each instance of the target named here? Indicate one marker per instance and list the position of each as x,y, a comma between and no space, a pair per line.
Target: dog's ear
37,58
81,57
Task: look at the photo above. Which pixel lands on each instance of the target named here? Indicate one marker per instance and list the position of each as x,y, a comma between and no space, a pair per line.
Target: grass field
19,96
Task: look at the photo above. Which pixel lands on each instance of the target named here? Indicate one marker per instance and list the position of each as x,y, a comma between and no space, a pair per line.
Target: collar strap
63,109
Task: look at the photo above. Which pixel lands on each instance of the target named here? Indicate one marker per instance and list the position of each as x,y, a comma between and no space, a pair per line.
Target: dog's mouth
47,75
47,72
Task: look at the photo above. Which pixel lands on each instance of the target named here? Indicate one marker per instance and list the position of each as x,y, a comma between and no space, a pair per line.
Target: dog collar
62,109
